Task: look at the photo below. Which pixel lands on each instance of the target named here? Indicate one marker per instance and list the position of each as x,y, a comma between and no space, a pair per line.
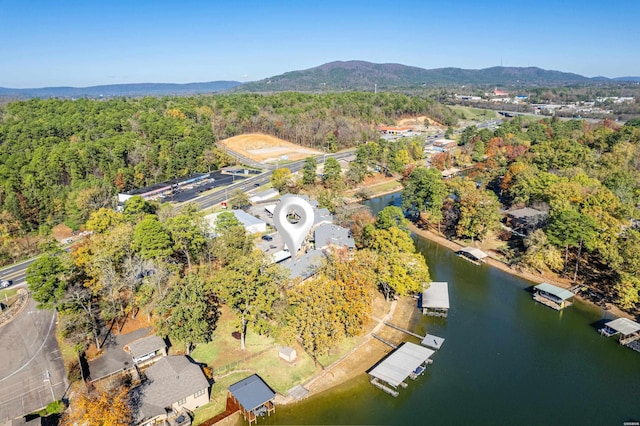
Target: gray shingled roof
146,345
328,234
169,380
252,392
525,213
306,265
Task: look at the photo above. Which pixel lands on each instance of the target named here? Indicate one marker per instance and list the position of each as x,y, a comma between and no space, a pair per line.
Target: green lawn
474,114
7,294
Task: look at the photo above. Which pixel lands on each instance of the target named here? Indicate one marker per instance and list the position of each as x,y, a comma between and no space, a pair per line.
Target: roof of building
624,326
270,208
322,215
525,213
328,234
169,380
475,252
436,296
281,255
146,345
252,392
433,342
245,218
305,266
314,203
287,350
401,363
559,292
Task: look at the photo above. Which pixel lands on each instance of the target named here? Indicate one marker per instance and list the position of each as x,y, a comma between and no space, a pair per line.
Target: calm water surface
506,360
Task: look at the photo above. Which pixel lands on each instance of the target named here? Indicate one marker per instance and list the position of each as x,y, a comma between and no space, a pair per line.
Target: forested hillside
61,159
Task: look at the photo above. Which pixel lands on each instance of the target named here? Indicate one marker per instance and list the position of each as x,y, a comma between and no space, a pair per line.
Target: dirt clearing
266,148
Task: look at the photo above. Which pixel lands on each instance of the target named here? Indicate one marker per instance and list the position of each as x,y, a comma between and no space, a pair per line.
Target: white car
5,283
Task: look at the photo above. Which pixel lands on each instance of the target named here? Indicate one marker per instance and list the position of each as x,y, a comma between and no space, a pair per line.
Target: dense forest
60,160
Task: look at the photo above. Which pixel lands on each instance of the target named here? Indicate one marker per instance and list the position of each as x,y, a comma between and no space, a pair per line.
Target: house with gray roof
173,385
526,220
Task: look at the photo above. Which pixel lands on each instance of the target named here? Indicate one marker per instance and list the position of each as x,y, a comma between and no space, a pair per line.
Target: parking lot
32,372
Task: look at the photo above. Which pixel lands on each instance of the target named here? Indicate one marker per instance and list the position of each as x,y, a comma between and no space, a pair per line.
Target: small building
306,265
287,353
409,360
472,254
435,299
552,296
173,385
628,330
526,220
254,397
146,349
445,144
393,130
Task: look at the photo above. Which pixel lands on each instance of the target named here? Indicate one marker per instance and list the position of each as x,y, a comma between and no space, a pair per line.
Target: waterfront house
552,296
173,386
254,397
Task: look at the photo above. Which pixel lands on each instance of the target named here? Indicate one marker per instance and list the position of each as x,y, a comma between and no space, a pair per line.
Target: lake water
506,360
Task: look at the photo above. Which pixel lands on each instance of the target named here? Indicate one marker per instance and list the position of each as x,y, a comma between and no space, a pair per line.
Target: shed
288,353
552,296
402,362
254,397
435,299
473,254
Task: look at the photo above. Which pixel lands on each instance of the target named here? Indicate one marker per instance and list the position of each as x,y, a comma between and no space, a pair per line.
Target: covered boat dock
409,360
254,397
552,296
472,254
628,330
435,299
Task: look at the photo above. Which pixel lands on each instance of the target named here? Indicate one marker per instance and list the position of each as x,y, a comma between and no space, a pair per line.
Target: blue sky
84,43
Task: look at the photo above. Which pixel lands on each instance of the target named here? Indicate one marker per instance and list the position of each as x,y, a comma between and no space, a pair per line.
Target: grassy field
224,355
474,114
7,295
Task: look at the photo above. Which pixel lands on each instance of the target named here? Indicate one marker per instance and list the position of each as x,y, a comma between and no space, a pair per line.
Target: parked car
267,237
5,283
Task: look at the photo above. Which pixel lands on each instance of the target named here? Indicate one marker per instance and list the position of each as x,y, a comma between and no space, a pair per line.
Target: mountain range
335,76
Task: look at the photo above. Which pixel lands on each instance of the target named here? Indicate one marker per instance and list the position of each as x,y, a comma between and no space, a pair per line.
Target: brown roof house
174,386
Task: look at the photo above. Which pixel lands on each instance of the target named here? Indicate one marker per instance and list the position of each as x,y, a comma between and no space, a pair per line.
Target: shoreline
529,276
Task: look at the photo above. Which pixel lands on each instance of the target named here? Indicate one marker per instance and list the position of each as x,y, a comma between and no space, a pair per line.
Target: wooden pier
386,342
403,330
384,388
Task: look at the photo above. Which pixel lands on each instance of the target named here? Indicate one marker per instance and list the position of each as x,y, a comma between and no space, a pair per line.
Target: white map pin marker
293,233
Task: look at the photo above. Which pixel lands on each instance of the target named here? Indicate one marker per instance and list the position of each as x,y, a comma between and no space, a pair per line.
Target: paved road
32,372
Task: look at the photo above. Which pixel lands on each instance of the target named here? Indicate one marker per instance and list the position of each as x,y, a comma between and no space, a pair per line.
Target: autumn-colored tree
99,408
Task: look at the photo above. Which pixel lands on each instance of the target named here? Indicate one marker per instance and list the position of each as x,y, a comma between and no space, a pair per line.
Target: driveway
32,372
